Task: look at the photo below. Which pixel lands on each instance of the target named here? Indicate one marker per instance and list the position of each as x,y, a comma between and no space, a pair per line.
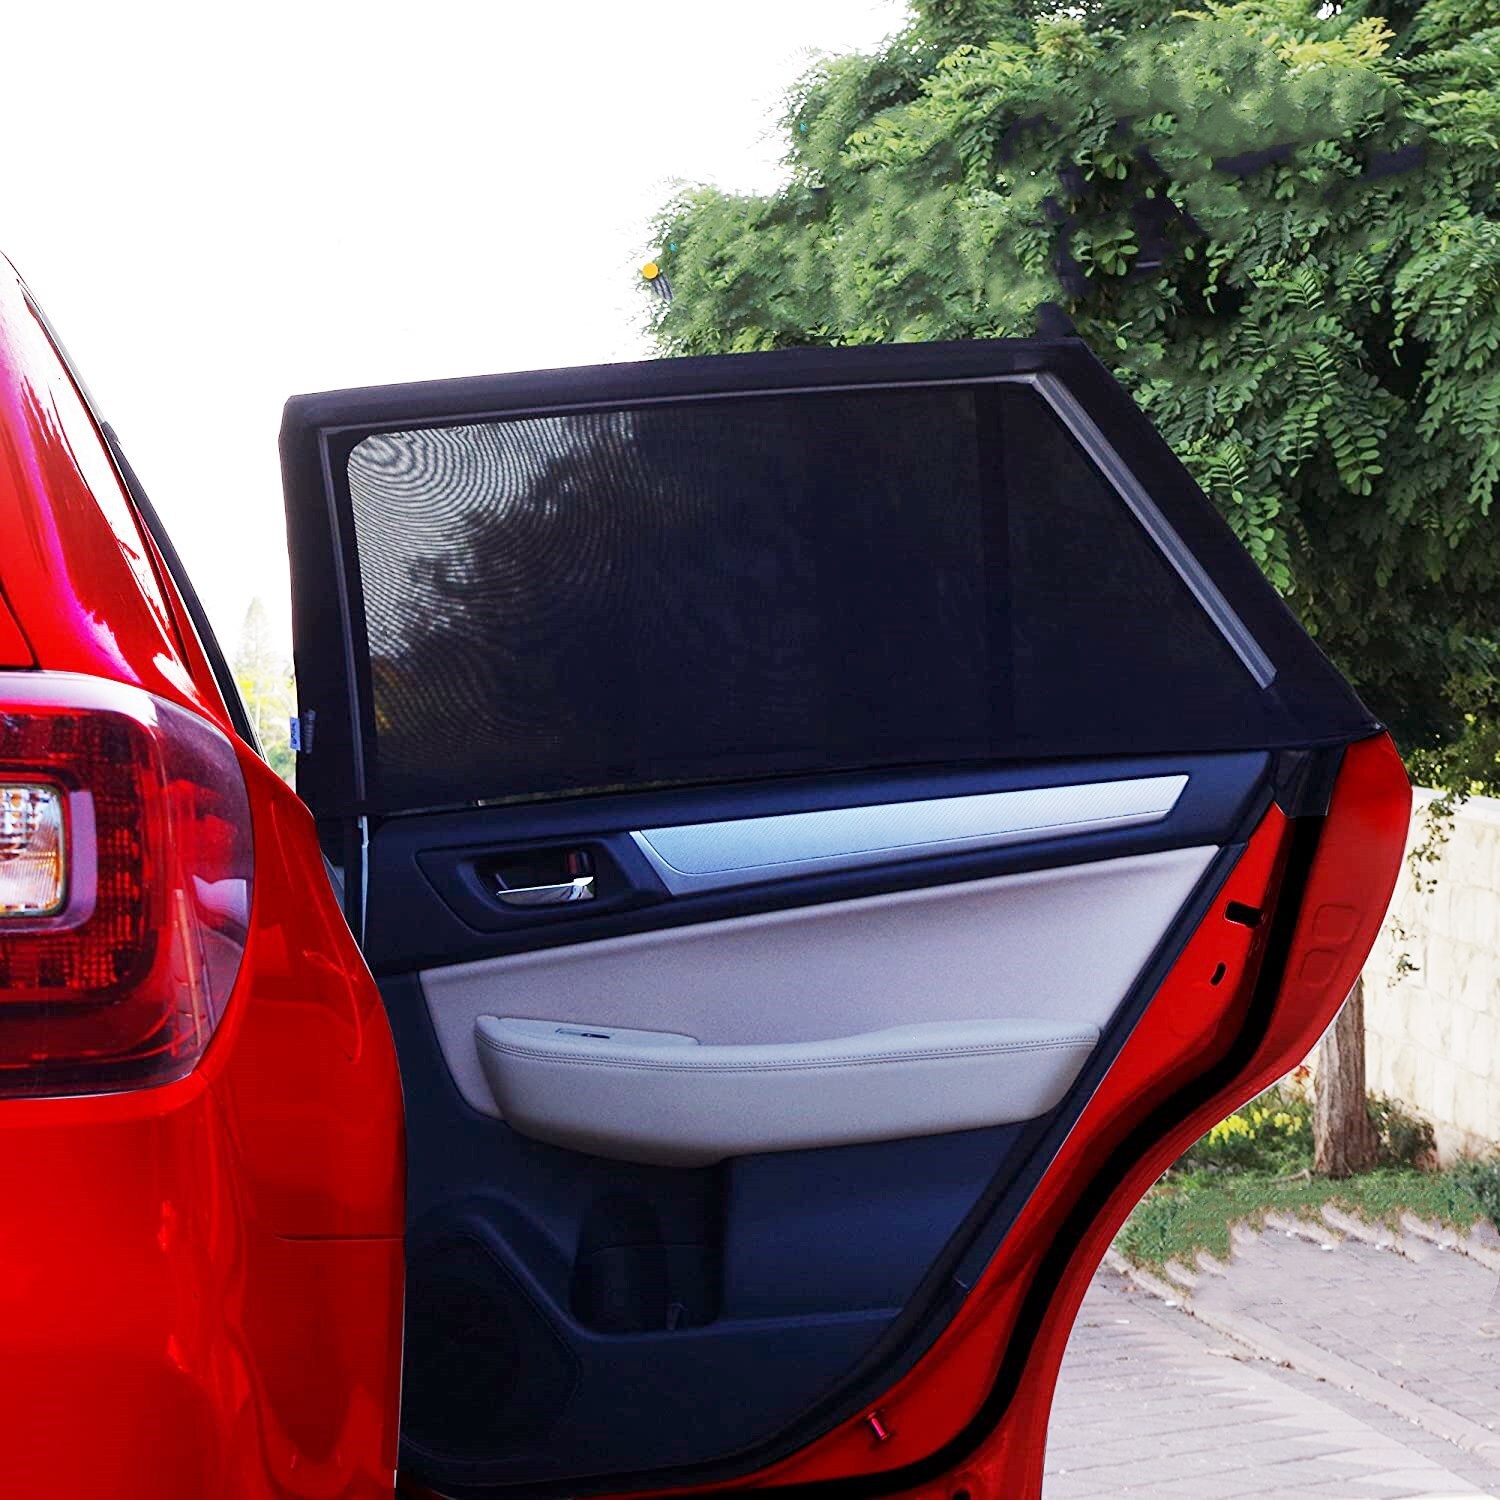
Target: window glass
752,586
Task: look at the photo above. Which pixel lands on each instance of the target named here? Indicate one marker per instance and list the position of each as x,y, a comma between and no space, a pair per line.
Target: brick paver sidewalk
1392,1389
1405,1322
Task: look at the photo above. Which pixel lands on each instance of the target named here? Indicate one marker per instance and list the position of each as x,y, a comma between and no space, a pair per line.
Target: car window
751,586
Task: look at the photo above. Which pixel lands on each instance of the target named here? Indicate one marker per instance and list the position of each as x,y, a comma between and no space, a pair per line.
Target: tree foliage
1278,222
263,673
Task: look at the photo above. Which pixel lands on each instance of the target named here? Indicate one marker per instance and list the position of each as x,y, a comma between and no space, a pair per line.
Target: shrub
1480,1181
1406,1139
1273,1133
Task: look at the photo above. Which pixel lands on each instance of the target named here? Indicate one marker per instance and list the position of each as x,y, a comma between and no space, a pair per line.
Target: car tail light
32,879
125,869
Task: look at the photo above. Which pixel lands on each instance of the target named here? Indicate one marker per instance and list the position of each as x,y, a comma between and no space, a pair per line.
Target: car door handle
580,888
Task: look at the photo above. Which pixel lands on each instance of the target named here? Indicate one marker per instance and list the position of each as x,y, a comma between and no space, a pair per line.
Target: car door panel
1003,946
822,824
779,1305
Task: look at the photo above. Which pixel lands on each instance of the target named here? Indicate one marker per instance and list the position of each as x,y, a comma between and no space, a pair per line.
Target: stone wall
1432,986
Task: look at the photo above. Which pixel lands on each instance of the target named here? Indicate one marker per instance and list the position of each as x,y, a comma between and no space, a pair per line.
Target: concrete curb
1433,1233
1380,1236
1171,1295
1184,1277
1265,1342
1445,1237
1302,1229
1210,1265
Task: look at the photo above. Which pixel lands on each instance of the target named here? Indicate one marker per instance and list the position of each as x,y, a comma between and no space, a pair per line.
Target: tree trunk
1344,1140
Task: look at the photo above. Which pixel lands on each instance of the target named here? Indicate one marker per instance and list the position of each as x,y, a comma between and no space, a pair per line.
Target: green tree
264,675
1276,221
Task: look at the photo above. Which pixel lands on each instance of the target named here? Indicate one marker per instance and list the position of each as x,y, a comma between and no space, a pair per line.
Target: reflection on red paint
78,573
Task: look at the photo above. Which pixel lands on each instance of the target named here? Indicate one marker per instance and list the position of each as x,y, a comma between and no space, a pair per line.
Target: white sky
222,205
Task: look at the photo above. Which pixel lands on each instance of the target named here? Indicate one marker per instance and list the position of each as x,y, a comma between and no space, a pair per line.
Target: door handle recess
579,888
545,877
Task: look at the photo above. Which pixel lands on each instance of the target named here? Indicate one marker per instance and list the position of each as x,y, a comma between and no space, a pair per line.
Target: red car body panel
200,1283
14,651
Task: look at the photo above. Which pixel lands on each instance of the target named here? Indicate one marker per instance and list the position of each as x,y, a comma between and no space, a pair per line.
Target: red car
826,828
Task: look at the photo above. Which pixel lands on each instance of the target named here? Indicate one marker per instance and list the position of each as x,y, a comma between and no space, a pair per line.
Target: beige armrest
663,1099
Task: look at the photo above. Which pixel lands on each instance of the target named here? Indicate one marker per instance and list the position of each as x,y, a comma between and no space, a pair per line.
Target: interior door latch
554,878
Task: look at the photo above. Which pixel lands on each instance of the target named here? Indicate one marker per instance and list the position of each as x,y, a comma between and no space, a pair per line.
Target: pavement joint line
1296,1353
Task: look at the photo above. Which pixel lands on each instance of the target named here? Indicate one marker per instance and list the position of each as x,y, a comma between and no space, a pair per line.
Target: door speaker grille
486,1374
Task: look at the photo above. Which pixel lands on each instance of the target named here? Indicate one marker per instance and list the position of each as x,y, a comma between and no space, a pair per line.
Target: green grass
1189,1211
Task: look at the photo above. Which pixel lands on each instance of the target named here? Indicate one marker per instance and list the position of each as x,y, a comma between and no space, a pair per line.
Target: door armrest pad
667,1101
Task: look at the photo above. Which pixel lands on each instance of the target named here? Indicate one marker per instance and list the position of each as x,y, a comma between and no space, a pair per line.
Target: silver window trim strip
1171,546
694,857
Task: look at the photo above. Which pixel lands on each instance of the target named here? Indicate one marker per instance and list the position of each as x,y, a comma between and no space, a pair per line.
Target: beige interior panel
1058,946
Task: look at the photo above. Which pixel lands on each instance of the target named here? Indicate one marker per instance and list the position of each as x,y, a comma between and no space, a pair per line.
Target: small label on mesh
301,731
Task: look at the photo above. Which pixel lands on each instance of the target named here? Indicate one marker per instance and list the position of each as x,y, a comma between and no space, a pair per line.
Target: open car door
829,828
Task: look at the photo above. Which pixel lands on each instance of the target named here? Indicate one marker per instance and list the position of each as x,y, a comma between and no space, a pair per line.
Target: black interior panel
651,1348
426,907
